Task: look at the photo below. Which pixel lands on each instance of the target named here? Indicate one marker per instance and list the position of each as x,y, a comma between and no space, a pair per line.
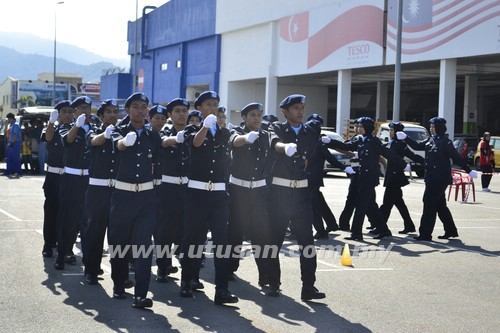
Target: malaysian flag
428,25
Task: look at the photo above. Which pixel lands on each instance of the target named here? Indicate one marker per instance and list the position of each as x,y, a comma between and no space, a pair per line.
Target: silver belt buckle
110,182
81,172
180,181
293,183
210,186
137,187
251,184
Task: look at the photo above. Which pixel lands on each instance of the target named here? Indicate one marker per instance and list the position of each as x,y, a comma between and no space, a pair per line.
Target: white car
342,157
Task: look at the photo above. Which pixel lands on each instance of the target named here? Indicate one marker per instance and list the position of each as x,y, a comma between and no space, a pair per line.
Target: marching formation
141,181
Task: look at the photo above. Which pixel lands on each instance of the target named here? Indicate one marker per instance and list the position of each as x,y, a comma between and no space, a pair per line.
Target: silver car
342,156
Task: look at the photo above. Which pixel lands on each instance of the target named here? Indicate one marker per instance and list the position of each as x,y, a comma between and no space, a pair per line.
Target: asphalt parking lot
395,285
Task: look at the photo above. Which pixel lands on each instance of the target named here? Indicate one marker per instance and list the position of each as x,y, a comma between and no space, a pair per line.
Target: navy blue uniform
350,203
55,167
291,201
248,209
438,152
133,208
74,181
207,190
394,180
315,173
102,173
171,193
369,149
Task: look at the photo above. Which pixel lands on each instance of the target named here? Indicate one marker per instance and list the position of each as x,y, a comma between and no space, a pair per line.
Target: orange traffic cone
346,259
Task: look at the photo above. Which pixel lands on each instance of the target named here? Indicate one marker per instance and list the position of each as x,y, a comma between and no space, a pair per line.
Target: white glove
349,170
179,138
80,121
407,168
473,174
54,115
290,149
108,131
209,121
129,139
401,135
252,136
325,139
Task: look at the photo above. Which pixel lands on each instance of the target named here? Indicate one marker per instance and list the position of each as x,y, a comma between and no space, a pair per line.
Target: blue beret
138,96
62,104
317,117
205,96
160,109
105,103
366,121
270,118
437,121
291,100
176,102
397,126
195,113
250,107
221,109
81,100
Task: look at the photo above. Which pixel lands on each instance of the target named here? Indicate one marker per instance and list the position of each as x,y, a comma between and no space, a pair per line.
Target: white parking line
15,218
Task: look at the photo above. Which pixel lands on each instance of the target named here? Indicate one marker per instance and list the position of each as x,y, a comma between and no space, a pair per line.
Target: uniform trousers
248,216
97,203
71,216
131,222
366,205
292,205
210,212
51,187
435,203
170,219
393,196
321,211
350,203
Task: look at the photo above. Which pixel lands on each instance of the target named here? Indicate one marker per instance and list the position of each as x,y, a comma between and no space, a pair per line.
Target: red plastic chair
460,181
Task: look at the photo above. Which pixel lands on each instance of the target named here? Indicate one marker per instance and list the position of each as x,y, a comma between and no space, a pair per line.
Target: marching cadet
248,211
207,188
172,191
157,117
438,152
63,113
369,149
133,202
221,117
395,179
267,120
102,173
71,216
290,196
315,174
194,118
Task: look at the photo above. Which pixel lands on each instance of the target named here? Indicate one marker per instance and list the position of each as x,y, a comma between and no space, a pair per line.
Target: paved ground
440,286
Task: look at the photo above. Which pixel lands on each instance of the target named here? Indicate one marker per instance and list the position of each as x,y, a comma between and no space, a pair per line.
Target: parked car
472,141
341,156
416,132
495,146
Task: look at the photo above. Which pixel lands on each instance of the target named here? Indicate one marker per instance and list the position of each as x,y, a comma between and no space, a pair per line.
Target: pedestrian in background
14,137
486,161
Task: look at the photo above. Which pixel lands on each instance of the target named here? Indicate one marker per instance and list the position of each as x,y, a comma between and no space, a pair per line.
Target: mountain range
24,56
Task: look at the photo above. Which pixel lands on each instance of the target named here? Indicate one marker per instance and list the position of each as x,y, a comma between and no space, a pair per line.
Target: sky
99,26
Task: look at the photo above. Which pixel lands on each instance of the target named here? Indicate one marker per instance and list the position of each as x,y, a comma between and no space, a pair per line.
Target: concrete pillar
447,92
381,110
470,105
271,93
343,101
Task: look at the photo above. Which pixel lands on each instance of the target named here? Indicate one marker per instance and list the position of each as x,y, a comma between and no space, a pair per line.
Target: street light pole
55,54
